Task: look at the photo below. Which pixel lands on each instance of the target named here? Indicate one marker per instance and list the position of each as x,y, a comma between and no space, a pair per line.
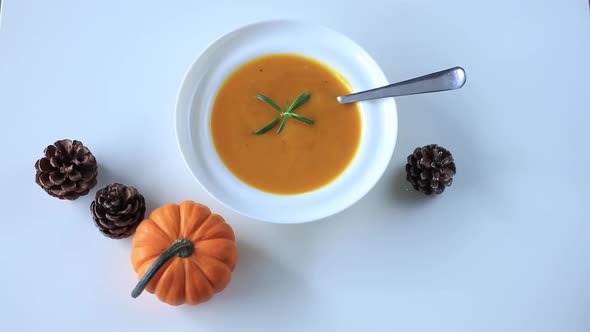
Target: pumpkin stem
180,248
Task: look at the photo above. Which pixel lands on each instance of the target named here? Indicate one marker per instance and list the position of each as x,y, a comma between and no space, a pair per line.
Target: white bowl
196,96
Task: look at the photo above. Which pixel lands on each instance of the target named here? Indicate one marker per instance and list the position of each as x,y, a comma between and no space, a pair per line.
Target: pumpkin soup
277,126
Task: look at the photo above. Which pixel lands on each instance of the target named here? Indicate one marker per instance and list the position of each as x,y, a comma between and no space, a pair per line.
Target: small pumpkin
183,253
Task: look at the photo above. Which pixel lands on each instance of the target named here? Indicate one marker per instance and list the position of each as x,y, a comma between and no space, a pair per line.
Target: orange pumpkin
183,253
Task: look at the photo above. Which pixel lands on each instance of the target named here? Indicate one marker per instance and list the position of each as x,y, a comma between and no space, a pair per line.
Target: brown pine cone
430,169
67,171
117,210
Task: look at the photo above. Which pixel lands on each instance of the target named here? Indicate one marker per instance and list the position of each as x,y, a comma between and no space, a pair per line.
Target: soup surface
303,157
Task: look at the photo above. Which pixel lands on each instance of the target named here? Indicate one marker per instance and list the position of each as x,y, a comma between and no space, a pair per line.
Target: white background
506,248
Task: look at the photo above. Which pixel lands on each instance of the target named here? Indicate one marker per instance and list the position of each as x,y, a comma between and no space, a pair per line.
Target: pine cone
430,169
117,210
67,171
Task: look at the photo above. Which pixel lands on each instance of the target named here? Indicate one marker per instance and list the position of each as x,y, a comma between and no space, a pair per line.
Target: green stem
282,125
270,102
301,118
180,248
268,127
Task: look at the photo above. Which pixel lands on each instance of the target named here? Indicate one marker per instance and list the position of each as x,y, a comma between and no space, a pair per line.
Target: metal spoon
449,79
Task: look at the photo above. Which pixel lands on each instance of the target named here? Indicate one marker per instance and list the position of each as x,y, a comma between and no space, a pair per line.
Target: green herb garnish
284,115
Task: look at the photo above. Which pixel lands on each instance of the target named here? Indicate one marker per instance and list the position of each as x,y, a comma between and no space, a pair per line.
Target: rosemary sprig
301,118
298,102
284,115
282,125
268,127
270,102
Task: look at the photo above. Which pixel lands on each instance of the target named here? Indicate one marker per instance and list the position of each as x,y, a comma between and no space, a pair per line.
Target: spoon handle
449,79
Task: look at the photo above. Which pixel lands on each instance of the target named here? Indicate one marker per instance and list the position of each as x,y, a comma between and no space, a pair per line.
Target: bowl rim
182,95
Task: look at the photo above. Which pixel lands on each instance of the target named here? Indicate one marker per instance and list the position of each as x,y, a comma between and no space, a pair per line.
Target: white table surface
506,248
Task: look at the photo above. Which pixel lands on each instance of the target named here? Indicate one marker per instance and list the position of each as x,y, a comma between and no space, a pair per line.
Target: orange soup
303,156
